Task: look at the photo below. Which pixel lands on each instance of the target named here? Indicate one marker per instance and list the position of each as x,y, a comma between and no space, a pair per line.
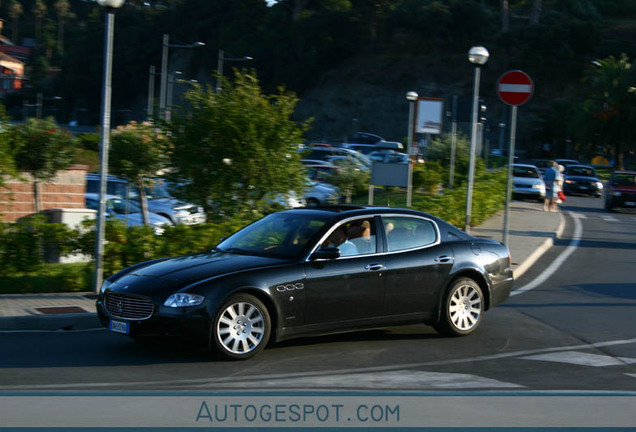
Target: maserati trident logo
120,307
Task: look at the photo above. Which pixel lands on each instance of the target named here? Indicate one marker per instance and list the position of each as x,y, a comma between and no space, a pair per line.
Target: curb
66,322
543,248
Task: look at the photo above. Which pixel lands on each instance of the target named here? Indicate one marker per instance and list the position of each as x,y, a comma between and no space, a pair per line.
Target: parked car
541,164
321,194
389,156
527,182
336,155
368,148
283,277
566,162
159,199
621,190
581,179
128,212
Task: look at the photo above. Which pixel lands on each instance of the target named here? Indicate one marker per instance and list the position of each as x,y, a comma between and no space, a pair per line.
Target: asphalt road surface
572,327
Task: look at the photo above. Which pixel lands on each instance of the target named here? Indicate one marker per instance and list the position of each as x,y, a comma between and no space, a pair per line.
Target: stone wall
65,191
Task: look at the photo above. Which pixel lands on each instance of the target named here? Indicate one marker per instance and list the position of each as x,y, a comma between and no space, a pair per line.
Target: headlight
183,300
537,186
600,185
105,285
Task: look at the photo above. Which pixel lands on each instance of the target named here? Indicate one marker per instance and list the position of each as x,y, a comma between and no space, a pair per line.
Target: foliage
43,150
236,147
137,152
611,103
350,179
23,244
8,147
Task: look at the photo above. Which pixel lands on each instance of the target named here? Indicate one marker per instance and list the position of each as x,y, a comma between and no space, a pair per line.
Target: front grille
128,306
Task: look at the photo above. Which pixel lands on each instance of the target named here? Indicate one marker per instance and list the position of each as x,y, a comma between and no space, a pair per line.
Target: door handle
374,267
444,259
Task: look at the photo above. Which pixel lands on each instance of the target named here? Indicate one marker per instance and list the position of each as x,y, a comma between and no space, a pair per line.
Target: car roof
624,172
524,165
95,196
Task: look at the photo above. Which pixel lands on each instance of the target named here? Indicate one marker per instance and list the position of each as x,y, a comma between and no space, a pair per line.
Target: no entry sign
515,87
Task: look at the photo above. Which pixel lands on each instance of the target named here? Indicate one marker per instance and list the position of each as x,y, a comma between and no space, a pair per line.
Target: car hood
624,189
586,178
527,181
175,273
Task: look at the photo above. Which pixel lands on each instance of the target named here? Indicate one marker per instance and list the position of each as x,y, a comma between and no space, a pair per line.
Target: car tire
462,308
241,327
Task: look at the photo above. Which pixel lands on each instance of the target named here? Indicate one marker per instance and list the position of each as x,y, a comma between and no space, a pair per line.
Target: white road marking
403,379
54,331
583,359
256,379
609,219
558,262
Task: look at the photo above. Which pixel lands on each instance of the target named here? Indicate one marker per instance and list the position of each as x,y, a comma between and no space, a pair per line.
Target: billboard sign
429,116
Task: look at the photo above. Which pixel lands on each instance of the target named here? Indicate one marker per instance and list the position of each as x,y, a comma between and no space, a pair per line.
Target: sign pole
513,88
511,158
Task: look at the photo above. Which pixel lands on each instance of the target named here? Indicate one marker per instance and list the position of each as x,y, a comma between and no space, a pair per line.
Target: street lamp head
478,55
111,3
198,44
412,96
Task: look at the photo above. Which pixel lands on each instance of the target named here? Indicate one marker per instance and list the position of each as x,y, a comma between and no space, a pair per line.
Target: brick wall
66,190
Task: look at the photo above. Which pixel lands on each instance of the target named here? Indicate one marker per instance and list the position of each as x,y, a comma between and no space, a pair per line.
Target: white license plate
630,203
583,187
119,327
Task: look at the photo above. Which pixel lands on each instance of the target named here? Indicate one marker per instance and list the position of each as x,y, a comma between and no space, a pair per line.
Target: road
572,328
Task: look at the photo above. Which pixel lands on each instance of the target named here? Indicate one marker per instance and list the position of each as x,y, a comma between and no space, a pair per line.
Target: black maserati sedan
312,271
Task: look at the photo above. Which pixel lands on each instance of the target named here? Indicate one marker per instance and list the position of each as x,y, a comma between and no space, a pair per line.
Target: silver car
527,182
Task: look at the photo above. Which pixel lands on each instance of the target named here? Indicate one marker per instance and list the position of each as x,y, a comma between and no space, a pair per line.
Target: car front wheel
462,309
241,328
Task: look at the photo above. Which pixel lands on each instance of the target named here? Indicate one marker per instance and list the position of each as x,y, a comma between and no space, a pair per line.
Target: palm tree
39,11
63,9
612,102
15,10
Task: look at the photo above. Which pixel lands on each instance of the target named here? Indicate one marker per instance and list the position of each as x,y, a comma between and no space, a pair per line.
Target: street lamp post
412,98
477,56
164,69
151,91
219,67
110,6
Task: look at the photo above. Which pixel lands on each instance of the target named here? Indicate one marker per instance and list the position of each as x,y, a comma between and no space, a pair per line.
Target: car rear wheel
241,327
462,309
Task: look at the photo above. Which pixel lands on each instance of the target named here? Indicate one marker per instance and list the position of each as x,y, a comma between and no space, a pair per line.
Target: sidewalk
532,232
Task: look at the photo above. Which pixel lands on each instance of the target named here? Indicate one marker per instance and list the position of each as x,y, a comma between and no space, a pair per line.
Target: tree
611,103
136,154
233,149
8,147
63,9
15,10
39,11
44,150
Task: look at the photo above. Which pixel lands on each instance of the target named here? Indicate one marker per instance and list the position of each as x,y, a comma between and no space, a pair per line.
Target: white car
320,194
129,212
527,182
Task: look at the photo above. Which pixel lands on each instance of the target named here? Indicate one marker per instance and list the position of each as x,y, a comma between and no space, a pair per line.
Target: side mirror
328,253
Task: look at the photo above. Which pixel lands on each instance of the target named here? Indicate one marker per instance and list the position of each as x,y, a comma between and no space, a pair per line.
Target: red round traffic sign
515,87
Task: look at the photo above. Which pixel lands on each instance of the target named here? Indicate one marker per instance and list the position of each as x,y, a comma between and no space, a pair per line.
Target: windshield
581,171
282,235
157,191
624,180
118,205
527,172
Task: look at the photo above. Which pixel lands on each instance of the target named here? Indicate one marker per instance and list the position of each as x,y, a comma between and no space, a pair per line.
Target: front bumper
191,324
582,189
